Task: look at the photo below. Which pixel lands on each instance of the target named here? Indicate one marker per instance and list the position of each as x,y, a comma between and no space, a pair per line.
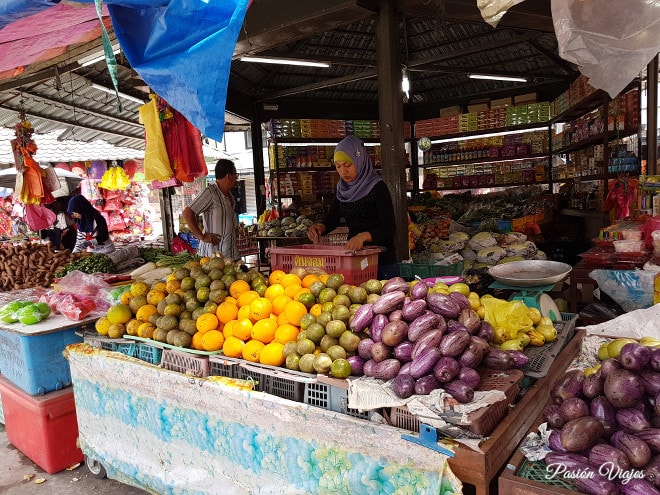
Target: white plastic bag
493,10
610,41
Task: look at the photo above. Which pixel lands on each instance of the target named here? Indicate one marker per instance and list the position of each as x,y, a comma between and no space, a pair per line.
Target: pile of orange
255,327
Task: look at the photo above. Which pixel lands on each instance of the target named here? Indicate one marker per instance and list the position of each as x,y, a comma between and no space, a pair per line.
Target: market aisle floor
15,466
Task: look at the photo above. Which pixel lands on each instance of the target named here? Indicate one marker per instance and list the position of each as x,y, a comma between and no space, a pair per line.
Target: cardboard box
501,103
453,110
526,98
478,107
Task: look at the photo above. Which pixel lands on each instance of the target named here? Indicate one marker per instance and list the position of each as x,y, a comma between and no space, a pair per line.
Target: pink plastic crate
356,267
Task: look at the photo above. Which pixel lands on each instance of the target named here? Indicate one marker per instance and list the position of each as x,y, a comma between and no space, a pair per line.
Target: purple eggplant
634,356
446,368
554,441
652,471
632,420
470,376
592,386
426,384
652,438
573,408
623,388
419,290
377,324
636,486
636,449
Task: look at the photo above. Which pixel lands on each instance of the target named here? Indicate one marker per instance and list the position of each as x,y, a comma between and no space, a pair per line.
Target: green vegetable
176,260
93,263
152,253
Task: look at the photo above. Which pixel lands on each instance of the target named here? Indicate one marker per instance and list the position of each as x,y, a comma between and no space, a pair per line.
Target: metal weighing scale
533,297
532,278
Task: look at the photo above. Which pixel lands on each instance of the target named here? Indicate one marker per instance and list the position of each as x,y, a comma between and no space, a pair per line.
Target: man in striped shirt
216,206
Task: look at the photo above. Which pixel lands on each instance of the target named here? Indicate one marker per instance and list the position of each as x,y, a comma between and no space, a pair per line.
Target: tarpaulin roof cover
182,49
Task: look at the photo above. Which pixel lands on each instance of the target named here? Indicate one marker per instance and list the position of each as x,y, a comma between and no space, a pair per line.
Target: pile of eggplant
606,426
424,341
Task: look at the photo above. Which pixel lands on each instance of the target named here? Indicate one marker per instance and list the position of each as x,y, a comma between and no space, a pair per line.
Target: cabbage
482,240
513,238
491,255
459,236
526,249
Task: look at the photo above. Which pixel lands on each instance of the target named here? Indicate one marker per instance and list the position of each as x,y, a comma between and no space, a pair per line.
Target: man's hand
315,232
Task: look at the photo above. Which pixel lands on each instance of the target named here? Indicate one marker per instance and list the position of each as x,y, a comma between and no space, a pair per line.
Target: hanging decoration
115,178
183,143
97,169
156,162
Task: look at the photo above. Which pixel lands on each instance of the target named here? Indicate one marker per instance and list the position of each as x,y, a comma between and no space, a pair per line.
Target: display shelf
504,129
475,161
611,135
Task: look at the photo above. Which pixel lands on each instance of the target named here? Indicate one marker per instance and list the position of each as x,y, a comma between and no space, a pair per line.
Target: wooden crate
481,468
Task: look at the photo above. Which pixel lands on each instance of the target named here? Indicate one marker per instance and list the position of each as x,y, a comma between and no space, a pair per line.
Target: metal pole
652,117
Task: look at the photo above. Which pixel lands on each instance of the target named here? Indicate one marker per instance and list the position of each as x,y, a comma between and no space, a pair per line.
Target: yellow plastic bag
512,316
156,161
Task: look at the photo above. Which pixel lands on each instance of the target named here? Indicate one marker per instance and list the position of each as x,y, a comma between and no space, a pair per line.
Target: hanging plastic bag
156,161
38,217
50,179
611,42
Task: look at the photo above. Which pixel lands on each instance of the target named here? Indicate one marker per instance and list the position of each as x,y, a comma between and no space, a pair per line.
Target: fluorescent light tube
285,61
97,59
111,91
498,78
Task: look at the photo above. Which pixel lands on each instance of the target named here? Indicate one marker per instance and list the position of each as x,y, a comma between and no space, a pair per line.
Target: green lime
340,368
29,315
44,309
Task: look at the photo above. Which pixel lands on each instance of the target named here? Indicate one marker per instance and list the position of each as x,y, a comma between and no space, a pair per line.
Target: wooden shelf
511,184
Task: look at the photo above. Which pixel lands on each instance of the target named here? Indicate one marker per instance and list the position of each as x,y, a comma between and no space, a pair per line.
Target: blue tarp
181,48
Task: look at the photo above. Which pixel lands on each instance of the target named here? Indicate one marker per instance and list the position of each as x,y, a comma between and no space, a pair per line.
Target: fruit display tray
482,421
542,357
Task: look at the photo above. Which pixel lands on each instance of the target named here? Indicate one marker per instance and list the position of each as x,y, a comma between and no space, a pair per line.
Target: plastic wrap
611,42
493,10
631,289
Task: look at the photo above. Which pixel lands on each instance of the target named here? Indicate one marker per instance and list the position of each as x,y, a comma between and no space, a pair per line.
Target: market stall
173,433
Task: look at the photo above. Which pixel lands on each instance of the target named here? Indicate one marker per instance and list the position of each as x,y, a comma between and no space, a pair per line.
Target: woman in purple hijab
364,202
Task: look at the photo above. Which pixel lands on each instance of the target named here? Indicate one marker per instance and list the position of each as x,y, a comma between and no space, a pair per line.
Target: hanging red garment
184,145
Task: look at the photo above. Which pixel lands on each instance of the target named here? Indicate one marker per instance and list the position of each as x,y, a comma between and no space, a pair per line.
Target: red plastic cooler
44,427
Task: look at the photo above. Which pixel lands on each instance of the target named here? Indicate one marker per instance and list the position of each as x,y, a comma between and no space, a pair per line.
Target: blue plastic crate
149,353
332,398
35,363
127,348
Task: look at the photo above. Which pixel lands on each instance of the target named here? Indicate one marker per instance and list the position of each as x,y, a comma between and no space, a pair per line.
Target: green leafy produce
176,260
93,263
152,253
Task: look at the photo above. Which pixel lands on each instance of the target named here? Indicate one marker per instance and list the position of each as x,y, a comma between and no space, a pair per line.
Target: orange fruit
227,330
237,287
279,303
252,350
226,311
206,322
159,286
244,312
233,347
286,333
264,330
126,297
281,319
212,340
260,308
242,328
231,300
119,313
292,290
197,341
172,286
155,296
294,311
276,277
316,309
245,298
145,312
290,279
272,354
308,280
139,289
324,277
273,291
146,330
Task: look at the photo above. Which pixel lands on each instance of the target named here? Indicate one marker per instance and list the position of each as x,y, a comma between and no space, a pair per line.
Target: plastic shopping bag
156,161
38,217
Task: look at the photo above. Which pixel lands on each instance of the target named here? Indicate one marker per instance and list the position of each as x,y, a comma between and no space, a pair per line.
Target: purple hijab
366,175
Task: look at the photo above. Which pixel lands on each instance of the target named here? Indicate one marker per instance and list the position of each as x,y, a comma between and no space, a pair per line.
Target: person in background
92,227
364,202
62,234
216,205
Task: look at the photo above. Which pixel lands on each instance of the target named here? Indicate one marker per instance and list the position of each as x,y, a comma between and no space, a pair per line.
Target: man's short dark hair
224,167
